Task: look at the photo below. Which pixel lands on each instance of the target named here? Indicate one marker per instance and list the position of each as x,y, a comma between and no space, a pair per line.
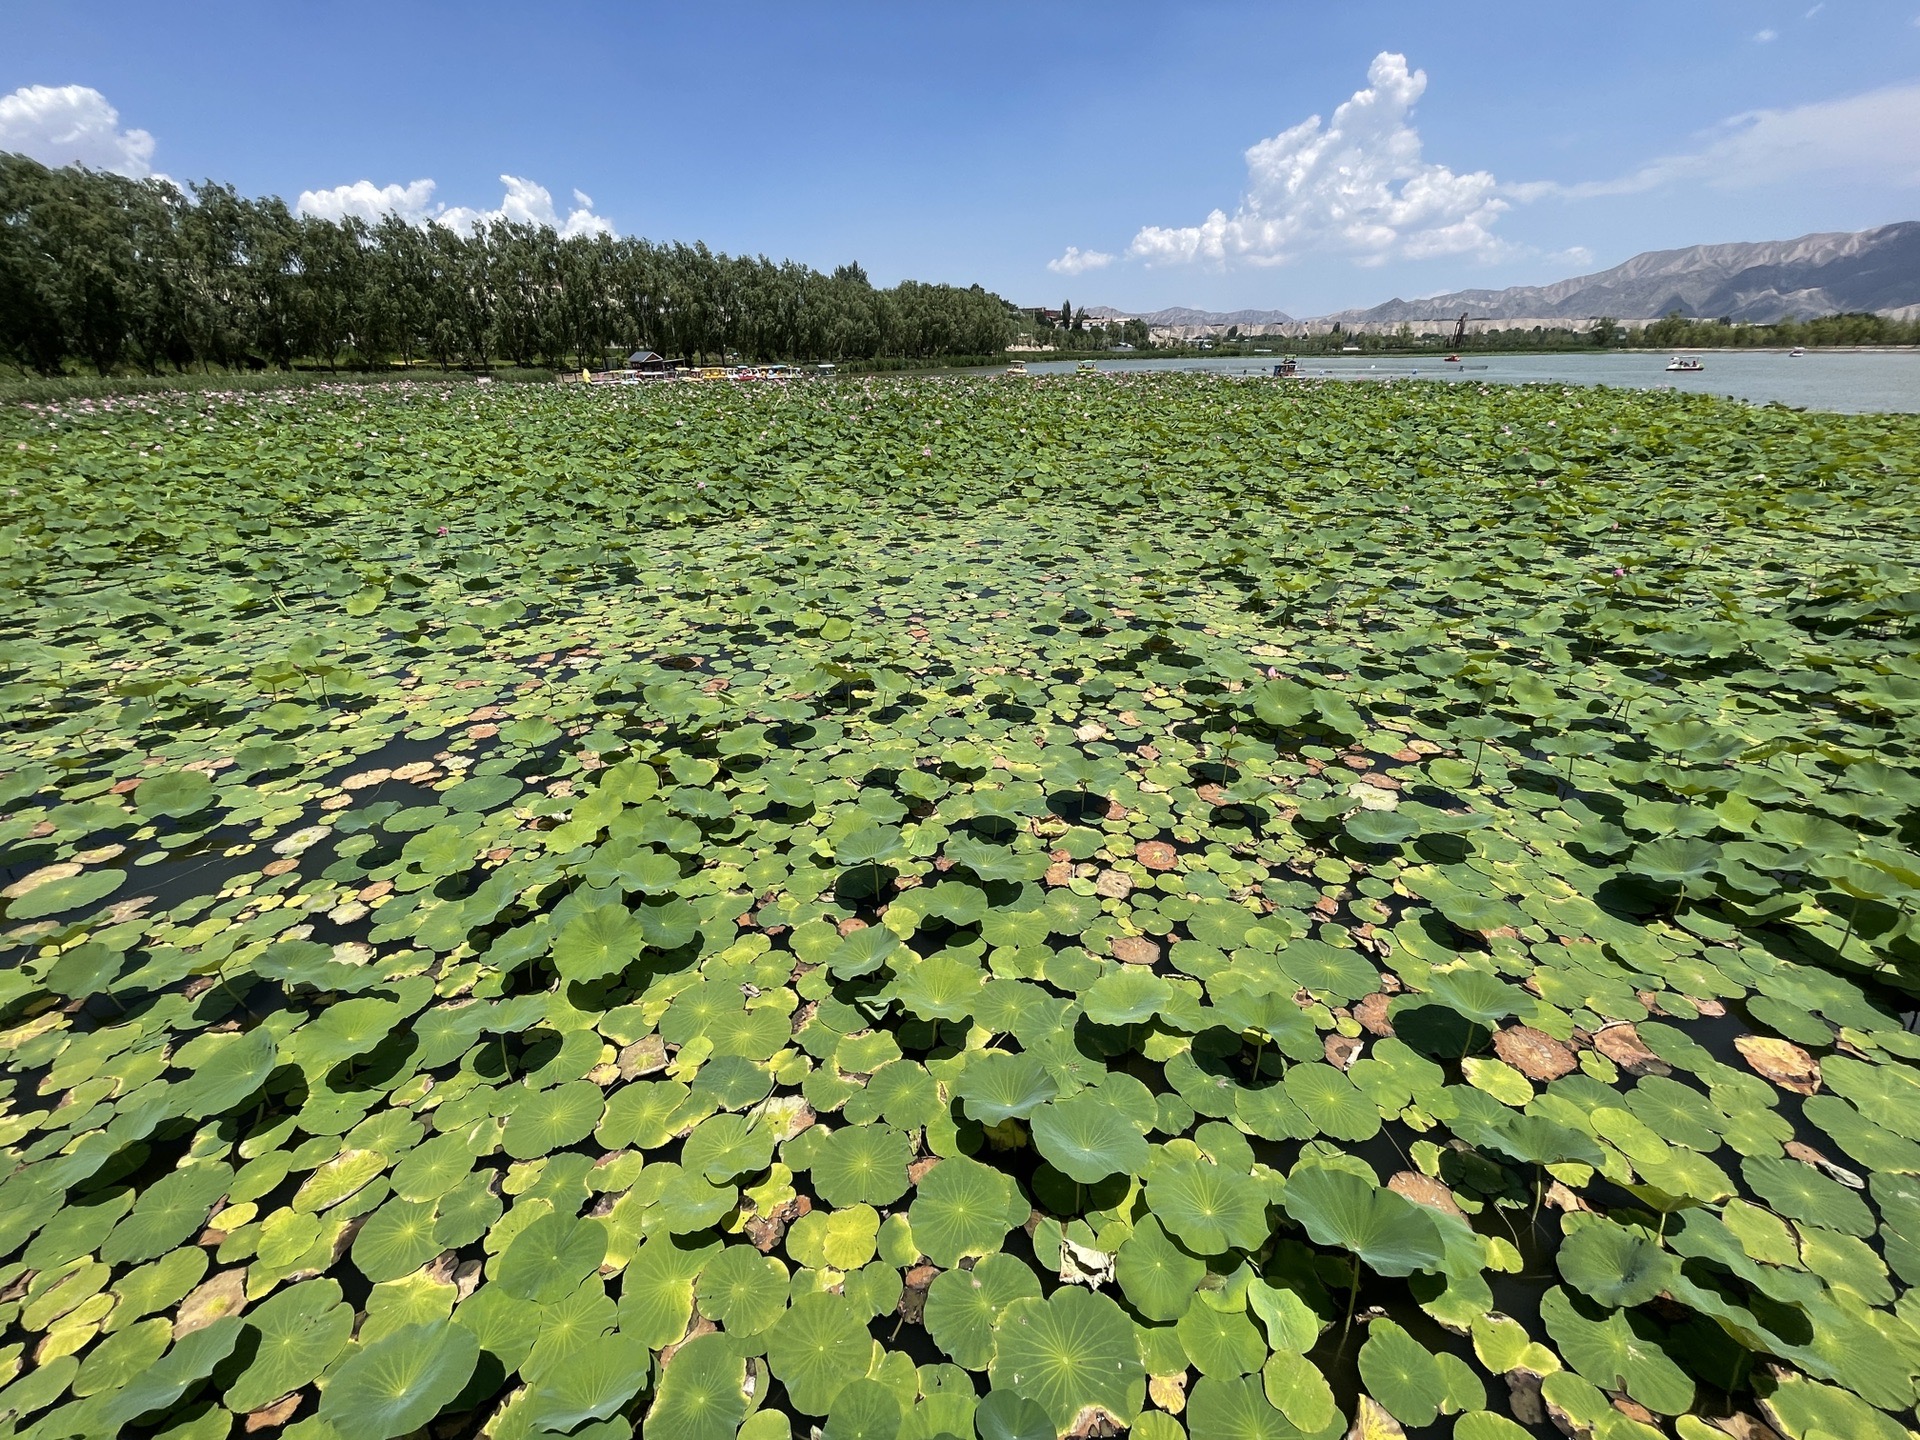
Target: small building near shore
647,362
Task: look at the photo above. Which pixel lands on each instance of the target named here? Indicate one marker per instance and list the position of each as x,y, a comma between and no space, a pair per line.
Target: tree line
1677,330
101,271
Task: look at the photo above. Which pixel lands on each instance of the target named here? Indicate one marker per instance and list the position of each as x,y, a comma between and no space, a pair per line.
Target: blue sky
1479,143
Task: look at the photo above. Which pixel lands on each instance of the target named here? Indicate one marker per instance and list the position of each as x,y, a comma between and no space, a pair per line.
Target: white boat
1018,367
1796,352
1685,365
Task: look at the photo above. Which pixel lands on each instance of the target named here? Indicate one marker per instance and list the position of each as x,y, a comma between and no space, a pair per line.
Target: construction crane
1459,329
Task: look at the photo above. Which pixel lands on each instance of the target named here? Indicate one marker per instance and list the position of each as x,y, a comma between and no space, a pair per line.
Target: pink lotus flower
1618,572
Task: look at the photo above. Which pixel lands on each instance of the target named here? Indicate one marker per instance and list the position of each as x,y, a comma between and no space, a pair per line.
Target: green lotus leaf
742,1289
1381,827
65,895
1675,861
656,1292
1532,1140
874,845
1401,1374
400,1381
1800,1192
1615,1266
1220,1339
226,1070
162,1384
1388,1233
466,1212
1295,1387
1068,1353
158,1285
550,1257
863,952
1485,1425
1331,1101
668,926
1207,1207
938,987
166,1213
1474,995
598,943
598,1376
543,1121
1282,703
396,1240
963,1209
1005,1415
1155,1274
817,1349
996,1087
123,1356
1125,997
963,1306
865,1410
1620,1352
1087,1139
175,794
483,792
302,1330
725,1146
861,1164
702,1392
432,1169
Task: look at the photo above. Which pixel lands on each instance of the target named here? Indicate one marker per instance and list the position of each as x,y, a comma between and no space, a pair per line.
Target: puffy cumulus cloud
524,203
531,204
1765,37
1076,261
1356,186
1873,137
72,125
372,203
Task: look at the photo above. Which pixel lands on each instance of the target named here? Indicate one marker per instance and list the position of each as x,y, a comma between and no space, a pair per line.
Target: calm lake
1858,381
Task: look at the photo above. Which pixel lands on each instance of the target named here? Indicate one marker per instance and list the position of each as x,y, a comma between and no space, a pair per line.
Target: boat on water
1685,365
1451,360
1085,367
1796,352
1018,367
1286,369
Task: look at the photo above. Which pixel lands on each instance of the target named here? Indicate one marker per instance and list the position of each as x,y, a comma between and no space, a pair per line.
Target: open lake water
1844,380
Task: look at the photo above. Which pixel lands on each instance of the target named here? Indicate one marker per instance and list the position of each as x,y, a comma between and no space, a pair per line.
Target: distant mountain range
1180,315
1764,281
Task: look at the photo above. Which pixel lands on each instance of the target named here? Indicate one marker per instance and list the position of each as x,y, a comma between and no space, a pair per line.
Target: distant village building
647,362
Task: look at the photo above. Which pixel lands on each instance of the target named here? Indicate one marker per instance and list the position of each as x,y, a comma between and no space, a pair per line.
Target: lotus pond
959,908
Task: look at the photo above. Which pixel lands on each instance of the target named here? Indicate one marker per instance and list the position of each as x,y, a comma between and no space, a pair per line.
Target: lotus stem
1353,1299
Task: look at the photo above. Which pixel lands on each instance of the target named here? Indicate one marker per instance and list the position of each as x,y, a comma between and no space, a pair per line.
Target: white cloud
1077,260
1761,37
72,125
1356,186
524,203
1873,137
530,204
412,203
